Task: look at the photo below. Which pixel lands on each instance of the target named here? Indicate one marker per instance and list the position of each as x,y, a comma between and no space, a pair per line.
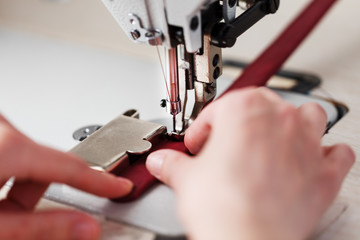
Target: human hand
259,170
34,167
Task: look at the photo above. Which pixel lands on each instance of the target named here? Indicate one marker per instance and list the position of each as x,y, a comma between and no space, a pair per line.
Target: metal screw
232,3
194,23
135,34
163,103
216,59
216,73
210,88
82,133
149,34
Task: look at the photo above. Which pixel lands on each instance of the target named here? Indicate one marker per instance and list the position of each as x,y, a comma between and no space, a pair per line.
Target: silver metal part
112,143
229,10
177,88
193,63
200,74
140,34
150,12
84,132
208,67
174,107
178,68
173,80
133,113
183,68
155,14
245,4
185,14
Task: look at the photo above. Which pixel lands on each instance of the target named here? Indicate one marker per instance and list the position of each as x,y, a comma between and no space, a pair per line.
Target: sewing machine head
192,33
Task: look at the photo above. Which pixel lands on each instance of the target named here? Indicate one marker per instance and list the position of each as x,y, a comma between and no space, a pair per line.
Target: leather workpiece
138,173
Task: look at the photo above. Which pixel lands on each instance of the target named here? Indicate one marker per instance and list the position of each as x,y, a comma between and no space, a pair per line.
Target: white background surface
49,88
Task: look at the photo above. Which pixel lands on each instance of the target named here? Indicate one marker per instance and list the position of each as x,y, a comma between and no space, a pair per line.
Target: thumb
168,166
48,225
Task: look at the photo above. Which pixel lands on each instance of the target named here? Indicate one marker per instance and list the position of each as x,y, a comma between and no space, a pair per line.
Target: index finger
42,164
199,131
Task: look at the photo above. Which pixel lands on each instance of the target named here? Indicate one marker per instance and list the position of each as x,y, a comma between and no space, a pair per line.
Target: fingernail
126,183
86,230
154,163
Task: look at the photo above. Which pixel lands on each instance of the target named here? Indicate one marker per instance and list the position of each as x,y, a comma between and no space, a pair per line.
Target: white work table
55,80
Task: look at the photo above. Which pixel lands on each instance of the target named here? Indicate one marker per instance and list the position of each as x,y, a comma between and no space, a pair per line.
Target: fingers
341,158
66,168
336,164
199,131
53,225
314,118
27,160
168,166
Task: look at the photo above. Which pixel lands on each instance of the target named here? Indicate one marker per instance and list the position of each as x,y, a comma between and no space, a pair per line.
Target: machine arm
224,34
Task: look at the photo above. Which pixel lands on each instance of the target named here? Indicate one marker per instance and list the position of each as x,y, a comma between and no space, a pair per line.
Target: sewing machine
192,34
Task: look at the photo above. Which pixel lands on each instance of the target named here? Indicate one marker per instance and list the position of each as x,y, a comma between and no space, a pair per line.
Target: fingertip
315,111
315,117
191,142
114,187
126,184
166,165
347,152
155,161
342,156
196,136
104,184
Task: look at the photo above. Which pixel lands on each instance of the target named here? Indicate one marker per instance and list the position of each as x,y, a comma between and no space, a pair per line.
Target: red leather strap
138,173
256,74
